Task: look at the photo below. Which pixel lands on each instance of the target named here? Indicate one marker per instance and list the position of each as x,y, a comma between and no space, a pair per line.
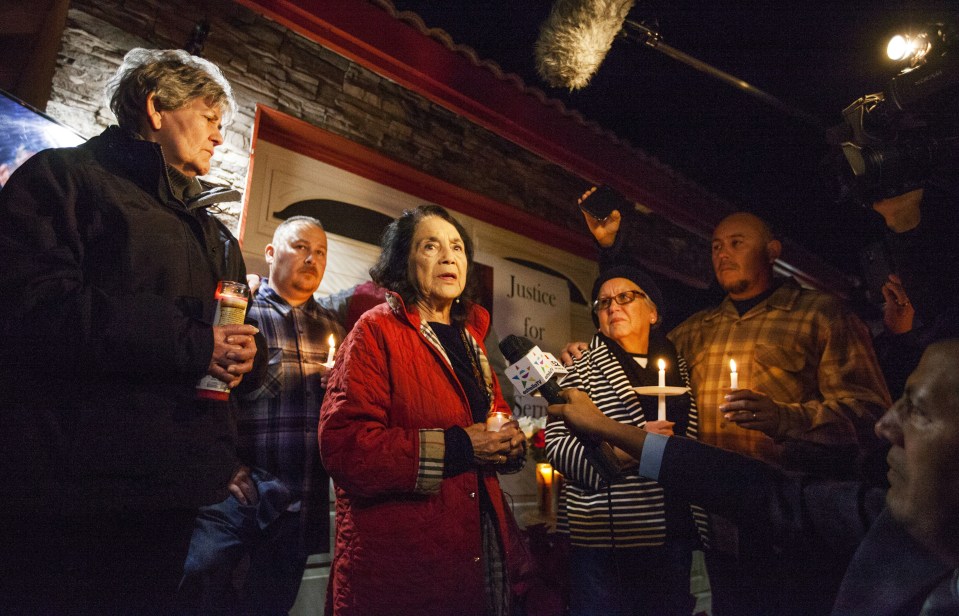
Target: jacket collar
783,298
142,162
477,318
477,323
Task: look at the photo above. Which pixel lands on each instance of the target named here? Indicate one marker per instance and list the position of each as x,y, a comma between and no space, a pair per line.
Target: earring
457,300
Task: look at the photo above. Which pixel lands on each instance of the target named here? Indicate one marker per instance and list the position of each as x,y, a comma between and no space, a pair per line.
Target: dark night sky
815,56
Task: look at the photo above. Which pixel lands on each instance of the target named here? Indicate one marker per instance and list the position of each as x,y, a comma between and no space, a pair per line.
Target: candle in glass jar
496,420
733,375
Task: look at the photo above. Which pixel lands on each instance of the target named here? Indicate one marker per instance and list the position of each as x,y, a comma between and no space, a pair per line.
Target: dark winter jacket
109,285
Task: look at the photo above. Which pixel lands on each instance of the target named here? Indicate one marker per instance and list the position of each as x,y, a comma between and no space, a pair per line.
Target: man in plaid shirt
810,387
810,390
278,511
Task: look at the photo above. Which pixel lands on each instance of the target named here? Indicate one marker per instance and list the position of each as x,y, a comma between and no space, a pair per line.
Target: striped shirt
638,505
802,348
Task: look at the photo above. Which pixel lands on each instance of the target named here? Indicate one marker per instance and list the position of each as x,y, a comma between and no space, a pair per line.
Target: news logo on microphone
533,370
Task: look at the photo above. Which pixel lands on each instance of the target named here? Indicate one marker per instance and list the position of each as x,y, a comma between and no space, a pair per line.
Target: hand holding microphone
516,349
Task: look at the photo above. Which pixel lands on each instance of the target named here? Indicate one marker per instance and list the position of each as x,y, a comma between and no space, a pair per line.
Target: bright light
898,48
907,47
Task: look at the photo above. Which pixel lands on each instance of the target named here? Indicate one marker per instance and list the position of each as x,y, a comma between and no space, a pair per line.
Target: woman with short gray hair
111,266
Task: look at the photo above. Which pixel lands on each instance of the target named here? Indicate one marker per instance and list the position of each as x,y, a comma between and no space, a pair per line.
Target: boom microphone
531,371
574,39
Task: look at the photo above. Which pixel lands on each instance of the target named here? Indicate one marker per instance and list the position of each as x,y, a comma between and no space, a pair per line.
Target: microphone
574,39
533,370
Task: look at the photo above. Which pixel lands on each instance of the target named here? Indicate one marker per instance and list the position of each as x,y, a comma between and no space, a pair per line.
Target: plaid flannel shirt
277,423
802,348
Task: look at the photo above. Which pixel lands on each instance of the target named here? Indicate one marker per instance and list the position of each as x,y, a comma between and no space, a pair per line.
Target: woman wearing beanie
630,546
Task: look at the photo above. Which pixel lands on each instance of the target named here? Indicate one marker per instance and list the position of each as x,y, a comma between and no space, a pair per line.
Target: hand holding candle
733,375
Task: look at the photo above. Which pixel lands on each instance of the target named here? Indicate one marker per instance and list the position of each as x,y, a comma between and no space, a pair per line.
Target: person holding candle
422,526
630,545
111,261
349,305
277,512
900,540
810,391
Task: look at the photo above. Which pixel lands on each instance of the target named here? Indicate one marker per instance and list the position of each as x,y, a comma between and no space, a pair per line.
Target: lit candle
332,351
546,470
496,420
733,375
544,489
661,407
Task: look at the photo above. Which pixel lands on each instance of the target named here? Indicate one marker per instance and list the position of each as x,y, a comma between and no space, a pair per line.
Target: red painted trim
373,38
309,140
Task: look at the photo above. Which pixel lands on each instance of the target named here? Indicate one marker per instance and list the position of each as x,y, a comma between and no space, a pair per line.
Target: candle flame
331,341
545,470
732,365
662,364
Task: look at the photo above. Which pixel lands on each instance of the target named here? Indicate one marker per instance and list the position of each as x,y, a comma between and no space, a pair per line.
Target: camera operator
920,293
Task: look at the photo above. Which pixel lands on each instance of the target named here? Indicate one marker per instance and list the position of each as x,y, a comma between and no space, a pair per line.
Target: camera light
898,48
905,47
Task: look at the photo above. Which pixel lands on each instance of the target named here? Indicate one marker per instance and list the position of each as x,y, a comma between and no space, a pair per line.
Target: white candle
661,409
496,420
662,373
332,351
733,375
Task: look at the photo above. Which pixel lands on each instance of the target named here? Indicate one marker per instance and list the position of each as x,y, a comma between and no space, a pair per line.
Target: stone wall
269,64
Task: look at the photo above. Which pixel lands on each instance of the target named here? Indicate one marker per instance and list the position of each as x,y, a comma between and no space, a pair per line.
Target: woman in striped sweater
630,546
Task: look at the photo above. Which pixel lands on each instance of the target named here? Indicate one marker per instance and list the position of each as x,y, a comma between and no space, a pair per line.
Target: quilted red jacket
407,539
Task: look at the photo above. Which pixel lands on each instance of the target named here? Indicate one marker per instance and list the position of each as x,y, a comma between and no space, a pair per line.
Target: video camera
893,141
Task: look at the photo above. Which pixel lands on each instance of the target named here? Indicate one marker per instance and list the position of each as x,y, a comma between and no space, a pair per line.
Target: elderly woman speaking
630,545
421,525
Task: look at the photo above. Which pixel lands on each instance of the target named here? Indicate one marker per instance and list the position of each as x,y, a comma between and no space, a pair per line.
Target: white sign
529,303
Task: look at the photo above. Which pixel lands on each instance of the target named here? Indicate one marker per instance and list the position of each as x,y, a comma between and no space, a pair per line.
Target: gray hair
295,221
173,76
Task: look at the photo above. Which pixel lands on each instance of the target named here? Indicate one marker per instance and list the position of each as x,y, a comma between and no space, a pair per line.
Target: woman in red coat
421,526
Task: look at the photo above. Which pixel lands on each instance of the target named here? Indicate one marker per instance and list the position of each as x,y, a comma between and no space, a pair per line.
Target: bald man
810,391
810,386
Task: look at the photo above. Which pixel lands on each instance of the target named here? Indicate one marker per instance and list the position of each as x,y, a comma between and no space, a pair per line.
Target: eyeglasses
621,299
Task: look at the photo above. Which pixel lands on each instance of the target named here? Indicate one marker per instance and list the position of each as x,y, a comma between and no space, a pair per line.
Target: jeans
631,581
228,532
